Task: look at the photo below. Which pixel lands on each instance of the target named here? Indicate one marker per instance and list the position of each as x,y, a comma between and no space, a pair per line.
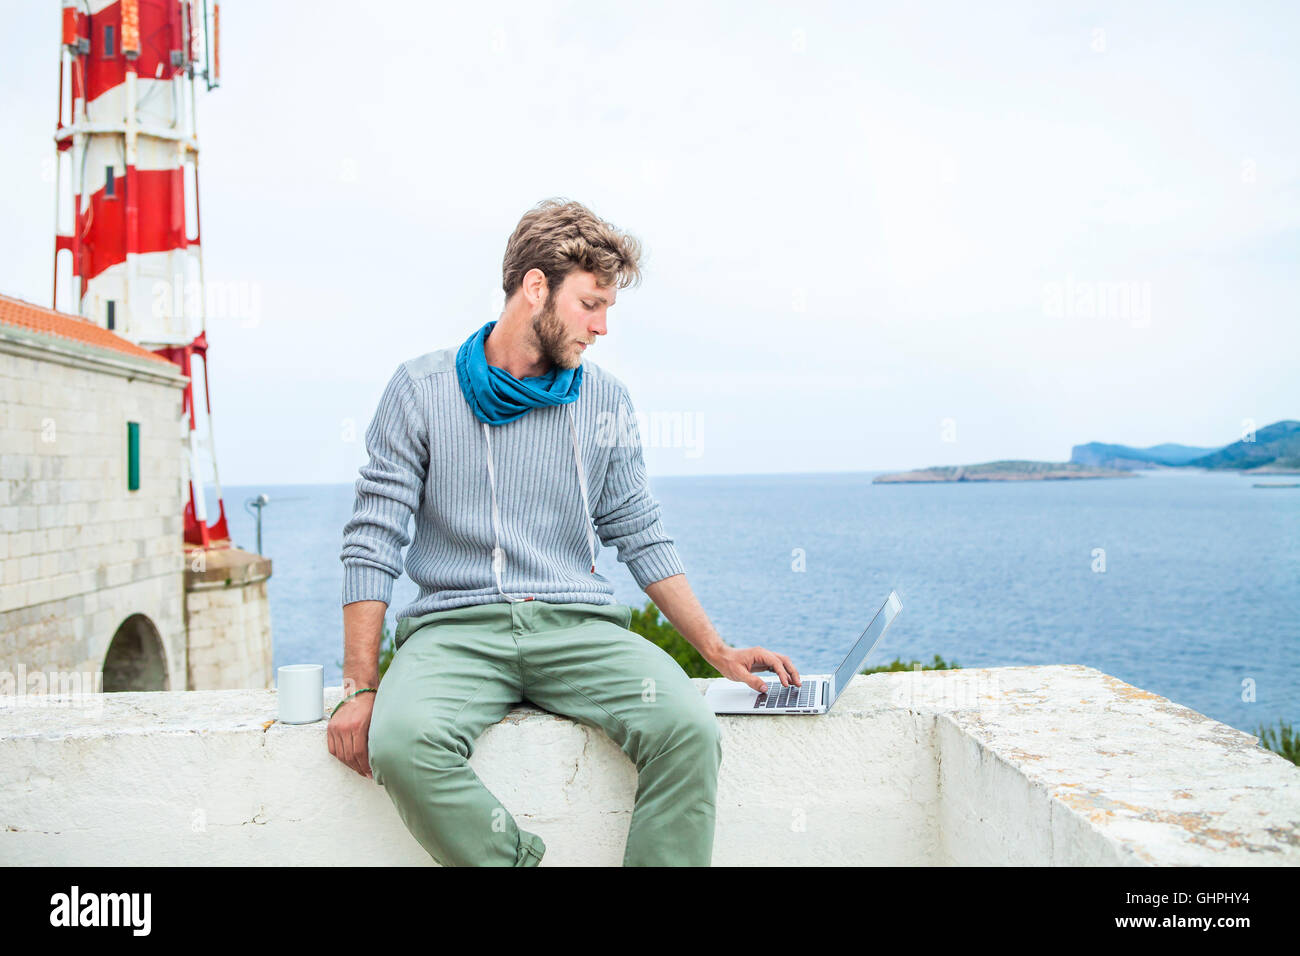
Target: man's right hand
349,733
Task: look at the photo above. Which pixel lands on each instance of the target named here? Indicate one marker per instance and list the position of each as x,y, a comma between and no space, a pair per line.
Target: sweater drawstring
498,555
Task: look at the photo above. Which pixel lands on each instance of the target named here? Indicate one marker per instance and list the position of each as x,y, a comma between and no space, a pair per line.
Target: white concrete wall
79,553
1081,768
1025,765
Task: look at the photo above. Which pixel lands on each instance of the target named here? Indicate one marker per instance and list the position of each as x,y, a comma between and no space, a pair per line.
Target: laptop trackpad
730,695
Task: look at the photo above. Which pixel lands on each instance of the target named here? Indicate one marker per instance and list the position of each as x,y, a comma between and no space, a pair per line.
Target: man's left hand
739,664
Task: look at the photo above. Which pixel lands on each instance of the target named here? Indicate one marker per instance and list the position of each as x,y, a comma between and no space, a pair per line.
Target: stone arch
136,658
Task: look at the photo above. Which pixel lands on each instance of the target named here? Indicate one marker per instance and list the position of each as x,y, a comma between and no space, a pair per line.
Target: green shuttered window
133,456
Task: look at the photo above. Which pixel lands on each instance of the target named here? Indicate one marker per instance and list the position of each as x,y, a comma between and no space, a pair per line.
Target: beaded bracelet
349,697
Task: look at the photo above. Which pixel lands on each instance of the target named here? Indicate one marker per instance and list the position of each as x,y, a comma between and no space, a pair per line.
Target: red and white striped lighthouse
127,147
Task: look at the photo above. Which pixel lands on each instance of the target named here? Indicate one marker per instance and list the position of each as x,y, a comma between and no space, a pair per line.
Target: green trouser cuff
531,849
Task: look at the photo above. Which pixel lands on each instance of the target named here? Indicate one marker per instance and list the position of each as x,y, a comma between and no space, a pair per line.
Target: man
510,450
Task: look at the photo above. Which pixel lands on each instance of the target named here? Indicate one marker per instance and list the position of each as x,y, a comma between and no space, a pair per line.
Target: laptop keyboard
779,696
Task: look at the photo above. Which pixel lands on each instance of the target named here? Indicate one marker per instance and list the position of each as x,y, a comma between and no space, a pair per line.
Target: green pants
457,672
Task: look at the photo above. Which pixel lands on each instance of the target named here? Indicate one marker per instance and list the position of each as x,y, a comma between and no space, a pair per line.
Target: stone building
96,582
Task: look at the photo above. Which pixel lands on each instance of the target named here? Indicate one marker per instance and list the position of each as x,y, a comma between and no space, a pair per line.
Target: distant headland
1272,450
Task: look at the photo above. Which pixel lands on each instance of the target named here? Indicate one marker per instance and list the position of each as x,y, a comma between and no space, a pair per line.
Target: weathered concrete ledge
1004,766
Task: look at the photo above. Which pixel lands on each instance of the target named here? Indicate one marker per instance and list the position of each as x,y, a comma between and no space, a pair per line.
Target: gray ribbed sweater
428,457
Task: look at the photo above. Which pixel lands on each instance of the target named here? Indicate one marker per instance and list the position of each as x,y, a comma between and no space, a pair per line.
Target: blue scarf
496,397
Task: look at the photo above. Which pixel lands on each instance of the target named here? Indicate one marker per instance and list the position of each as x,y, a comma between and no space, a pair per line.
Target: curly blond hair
559,236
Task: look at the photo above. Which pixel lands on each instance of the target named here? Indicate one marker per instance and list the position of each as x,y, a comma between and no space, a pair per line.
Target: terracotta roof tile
61,325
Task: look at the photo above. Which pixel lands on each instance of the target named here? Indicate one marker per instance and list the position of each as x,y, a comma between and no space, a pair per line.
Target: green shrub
653,627
938,664
1282,741
387,648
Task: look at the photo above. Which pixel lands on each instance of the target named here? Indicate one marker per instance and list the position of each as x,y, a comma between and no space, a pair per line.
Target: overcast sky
870,229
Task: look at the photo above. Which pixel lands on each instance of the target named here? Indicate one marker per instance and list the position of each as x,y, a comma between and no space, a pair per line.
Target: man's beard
557,348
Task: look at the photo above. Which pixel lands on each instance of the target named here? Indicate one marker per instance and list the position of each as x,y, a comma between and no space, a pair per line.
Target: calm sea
1199,599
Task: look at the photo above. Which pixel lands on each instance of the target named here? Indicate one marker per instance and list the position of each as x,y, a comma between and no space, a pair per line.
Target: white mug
301,690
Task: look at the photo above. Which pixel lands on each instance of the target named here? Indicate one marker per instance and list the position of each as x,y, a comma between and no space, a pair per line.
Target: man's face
573,315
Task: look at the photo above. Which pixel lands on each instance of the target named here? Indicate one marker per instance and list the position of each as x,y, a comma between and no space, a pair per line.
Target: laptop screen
870,637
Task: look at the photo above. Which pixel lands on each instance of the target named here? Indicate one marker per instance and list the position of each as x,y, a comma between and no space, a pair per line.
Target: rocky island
1272,450
1005,471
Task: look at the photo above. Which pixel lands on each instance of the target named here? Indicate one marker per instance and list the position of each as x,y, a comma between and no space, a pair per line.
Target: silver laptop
819,691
